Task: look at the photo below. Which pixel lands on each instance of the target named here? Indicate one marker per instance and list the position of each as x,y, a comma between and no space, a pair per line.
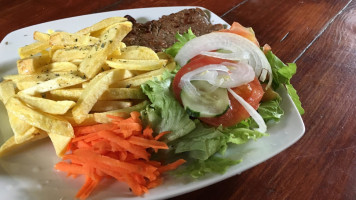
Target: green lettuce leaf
201,143
271,110
165,113
182,39
282,74
200,168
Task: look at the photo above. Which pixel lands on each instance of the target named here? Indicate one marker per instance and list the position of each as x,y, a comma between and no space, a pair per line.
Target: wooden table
320,36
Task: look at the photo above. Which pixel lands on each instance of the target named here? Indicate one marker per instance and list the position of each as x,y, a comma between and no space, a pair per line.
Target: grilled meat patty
159,34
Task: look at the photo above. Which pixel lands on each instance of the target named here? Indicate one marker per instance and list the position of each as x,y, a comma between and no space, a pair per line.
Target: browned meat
159,34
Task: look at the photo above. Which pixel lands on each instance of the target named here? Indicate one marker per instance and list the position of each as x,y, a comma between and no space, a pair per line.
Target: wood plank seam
322,31
233,8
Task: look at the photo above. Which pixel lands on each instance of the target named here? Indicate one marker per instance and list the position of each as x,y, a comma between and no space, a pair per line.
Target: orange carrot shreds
147,143
83,145
135,116
82,138
123,143
70,168
87,188
161,135
171,166
155,183
147,132
83,130
120,150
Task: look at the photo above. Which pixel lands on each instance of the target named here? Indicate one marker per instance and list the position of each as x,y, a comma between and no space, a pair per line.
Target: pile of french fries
74,79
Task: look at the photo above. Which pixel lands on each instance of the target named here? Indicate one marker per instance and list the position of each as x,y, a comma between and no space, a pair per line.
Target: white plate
29,173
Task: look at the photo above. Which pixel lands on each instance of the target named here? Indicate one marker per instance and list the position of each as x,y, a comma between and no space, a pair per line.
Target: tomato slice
251,92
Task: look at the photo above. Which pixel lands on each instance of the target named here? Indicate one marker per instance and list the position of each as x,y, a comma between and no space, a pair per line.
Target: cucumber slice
209,102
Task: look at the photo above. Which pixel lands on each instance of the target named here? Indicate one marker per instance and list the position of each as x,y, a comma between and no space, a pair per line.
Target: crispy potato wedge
32,65
22,130
70,54
46,122
64,39
110,41
110,94
41,37
141,65
7,91
47,105
89,120
60,67
137,53
32,49
10,145
94,90
102,24
60,143
60,81
139,79
103,106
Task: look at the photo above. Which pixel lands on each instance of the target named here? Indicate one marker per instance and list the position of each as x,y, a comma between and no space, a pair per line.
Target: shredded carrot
161,135
119,149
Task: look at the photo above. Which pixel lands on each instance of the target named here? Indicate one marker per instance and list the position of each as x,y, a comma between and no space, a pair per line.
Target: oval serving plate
29,173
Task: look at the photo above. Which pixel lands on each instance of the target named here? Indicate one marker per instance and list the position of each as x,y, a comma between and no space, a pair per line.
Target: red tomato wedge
252,92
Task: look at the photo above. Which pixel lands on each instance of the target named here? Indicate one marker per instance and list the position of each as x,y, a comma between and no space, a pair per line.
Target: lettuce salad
203,146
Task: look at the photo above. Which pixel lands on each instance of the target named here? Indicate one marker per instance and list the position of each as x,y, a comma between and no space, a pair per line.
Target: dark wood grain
219,8
288,26
321,37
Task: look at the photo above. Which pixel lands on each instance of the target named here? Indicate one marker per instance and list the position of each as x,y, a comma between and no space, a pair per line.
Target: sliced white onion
238,45
224,75
208,73
253,113
238,56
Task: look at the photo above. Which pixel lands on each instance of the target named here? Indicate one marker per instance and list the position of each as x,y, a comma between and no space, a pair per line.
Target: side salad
222,92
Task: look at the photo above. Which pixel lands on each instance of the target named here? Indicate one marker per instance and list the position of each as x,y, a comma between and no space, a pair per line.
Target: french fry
123,93
66,80
32,49
59,67
94,90
69,39
46,122
110,94
22,130
96,57
102,24
140,65
61,81
32,64
69,54
10,145
139,79
89,120
47,105
7,91
137,53
103,106
41,37
60,143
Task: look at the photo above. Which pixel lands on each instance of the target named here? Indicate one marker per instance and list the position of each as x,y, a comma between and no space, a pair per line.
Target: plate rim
206,182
